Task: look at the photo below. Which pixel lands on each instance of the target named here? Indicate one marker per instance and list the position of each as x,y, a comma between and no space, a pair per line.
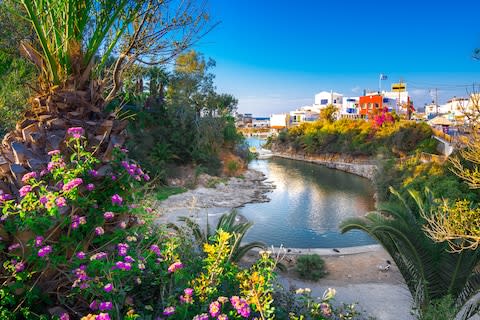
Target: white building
350,107
401,99
455,106
279,121
431,110
303,114
325,98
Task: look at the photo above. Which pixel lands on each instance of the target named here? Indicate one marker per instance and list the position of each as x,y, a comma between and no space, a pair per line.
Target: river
307,205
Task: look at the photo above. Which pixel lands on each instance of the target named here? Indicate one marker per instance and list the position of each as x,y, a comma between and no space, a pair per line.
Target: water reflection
307,206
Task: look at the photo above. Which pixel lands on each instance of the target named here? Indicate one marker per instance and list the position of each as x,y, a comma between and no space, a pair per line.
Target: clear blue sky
274,55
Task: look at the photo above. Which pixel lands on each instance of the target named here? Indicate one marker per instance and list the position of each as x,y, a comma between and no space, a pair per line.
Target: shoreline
365,169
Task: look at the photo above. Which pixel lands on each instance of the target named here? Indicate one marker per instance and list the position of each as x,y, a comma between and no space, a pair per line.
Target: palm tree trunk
44,127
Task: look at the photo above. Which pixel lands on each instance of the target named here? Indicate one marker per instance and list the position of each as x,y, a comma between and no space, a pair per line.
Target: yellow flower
89,317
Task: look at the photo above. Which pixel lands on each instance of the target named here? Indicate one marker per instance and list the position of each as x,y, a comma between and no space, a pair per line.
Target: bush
310,267
357,138
232,167
440,309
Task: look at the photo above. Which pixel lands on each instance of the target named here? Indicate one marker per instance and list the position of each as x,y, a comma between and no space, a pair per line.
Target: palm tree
81,50
429,269
228,223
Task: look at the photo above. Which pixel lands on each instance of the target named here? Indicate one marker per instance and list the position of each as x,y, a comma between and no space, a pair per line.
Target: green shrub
232,167
310,267
440,309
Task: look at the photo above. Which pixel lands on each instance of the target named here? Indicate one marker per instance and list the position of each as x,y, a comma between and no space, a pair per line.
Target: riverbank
360,167
210,200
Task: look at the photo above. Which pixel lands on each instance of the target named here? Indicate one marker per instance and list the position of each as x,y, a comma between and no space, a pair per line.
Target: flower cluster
187,297
76,132
82,278
241,306
175,266
72,184
135,171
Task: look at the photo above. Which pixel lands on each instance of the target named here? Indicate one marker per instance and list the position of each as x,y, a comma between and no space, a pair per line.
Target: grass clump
310,267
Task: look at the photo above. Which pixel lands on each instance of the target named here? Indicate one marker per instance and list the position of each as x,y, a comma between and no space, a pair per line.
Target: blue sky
274,55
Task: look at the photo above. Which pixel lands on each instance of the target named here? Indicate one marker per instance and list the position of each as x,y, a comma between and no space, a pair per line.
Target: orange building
369,103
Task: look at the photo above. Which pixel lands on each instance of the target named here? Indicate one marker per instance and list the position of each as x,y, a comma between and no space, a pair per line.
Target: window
324,101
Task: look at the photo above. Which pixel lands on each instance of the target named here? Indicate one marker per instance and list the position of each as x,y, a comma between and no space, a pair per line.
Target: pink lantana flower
116,199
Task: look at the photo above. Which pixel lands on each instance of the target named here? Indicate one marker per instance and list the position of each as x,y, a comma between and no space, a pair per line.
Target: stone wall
363,167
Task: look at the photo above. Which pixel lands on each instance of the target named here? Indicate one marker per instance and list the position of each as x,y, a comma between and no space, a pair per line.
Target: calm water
307,205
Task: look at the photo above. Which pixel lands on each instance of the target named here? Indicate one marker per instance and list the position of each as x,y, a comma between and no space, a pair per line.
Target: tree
81,50
329,113
430,271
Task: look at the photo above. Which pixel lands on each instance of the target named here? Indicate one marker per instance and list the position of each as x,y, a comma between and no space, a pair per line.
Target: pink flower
108,215
61,202
43,200
108,287
25,190
126,266
5,197
98,256
214,308
175,266
43,172
45,251
103,316
28,176
122,249
99,231
65,316
202,316
113,177
13,246
146,177
123,225
128,259
155,249
81,255
38,241
93,305
93,173
19,266
72,184
222,317
188,291
76,132
105,306
90,187
53,152
168,311
116,199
